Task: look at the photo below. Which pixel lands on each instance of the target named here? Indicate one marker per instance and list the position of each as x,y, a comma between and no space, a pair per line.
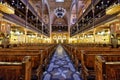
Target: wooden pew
72,49
47,49
29,45
40,57
88,61
16,70
107,67
74,52
17,55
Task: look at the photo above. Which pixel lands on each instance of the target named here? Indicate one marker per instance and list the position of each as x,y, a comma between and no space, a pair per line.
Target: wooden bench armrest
38,70
87,71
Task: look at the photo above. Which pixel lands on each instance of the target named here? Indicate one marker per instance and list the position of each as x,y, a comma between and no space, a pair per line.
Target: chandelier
4,7
113,9
60,12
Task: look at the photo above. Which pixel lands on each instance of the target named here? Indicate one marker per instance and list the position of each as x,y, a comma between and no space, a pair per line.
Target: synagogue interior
59,39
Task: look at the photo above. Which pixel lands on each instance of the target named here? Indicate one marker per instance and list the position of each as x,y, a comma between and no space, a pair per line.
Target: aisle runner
60,67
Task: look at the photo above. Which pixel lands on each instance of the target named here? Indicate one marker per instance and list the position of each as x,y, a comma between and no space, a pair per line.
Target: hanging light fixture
4,7
113,9
60,12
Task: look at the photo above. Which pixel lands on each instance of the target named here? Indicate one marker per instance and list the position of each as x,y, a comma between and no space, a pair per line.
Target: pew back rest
107,67
16,70
93,49
18,55
88,57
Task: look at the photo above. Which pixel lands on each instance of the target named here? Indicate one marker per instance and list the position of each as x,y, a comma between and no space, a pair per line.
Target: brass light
113,9
4,7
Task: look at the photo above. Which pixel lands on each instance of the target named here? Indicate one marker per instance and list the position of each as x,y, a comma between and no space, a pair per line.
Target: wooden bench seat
15,70
39,57
107,67
88,61
85,55
74,52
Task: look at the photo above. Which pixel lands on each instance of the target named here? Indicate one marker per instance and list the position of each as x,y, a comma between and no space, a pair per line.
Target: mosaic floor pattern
61,67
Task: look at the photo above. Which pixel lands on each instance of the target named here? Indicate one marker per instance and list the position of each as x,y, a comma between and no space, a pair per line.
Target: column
69,26
77,15
42,19
26,14
5,33
78,38
50,27
93,11
36,38
94,38
114,40
25,36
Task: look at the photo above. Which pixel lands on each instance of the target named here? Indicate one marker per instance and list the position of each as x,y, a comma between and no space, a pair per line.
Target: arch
47,8
79,4
73,6
60,20
73,3
55,18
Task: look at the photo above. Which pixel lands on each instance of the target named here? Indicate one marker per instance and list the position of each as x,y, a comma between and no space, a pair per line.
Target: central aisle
61,67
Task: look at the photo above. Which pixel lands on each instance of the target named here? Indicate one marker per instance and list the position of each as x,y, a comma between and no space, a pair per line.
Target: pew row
107,67
39,58
88,62
16,70
75,52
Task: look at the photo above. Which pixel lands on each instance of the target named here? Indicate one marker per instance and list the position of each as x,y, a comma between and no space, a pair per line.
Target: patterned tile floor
61,67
